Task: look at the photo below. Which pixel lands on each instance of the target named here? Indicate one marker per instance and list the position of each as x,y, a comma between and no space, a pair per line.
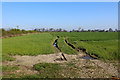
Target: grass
33,44
9,71
52,70
64,47
47,70
70,64
9,68
107,50
88,35
102,44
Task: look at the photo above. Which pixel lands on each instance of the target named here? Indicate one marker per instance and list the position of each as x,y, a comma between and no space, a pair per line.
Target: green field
102,44
88,35
33,44
64,47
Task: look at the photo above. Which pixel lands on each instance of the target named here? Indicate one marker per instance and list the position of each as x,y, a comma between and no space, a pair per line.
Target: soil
82,68
49,58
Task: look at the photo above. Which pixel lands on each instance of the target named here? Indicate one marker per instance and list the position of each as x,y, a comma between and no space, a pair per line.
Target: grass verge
64,47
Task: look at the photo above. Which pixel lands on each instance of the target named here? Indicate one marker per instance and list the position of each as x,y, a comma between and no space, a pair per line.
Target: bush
14,32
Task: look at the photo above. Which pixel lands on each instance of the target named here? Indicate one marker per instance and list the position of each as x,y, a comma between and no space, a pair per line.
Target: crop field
33,48
88,35
33,44
102,44
64,47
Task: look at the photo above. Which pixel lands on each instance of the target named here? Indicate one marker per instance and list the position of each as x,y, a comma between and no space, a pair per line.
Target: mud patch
84,68
50,58
77,68
81,51
55,44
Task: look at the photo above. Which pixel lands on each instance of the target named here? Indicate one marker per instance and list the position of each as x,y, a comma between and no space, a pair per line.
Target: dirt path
84,68
25,63
50,58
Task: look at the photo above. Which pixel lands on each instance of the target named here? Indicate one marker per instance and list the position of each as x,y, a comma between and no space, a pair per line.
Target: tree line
95,30
17,31
50,30
78,30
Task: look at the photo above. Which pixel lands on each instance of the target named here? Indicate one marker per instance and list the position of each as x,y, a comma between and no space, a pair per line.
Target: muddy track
81,50
55,44
71,45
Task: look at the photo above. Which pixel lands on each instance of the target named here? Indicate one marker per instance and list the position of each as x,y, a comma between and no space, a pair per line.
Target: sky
65,15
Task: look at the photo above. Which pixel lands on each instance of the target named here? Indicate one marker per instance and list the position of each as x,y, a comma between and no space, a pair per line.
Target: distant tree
17,27
107,31
73,30
46,30
89,30
40,29
51,29
82,30
56,30
64,30
3,29
14,30
23,30
59,30
103,30
110,30
35,29
43,29
116,30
